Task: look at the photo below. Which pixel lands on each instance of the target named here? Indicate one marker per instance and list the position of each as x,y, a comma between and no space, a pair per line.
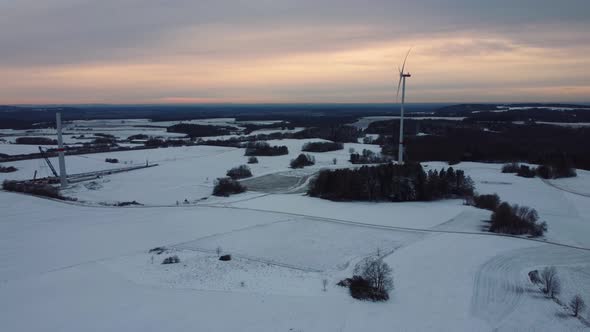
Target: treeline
38,189
560,167
322,146
265,149
35,140
391,182
335,133
7,169
250,127
197,130
497,142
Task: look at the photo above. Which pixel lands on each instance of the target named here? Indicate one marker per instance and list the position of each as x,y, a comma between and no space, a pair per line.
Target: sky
300,51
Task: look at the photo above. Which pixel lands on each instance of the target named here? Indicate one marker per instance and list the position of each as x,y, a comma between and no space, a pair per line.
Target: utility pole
60,150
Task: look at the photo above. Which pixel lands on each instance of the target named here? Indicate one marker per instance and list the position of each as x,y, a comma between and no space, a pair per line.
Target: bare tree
556,289
324,283
577,304
550,281
376,272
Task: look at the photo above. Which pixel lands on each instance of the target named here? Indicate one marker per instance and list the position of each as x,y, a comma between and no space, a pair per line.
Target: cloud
333,50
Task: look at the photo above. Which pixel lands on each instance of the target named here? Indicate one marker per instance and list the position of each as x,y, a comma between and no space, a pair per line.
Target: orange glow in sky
338,62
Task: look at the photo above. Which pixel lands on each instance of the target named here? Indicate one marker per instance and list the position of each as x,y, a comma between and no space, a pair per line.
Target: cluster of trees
372,280
27,187
367,157
239,172
335,133
197,130
550,285
510,219
391,182
7,169
559,168
264,149
250,127
516,220
302,160
227,186
322,146
35,141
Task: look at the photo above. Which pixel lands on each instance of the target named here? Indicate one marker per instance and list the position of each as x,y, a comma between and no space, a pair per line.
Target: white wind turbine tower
402,84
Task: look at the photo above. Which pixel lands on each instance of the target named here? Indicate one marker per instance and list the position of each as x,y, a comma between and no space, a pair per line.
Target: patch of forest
391,182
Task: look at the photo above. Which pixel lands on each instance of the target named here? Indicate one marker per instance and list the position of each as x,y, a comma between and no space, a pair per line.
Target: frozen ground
71,267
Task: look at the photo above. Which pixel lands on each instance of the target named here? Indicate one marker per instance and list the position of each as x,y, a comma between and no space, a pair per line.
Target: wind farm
251,166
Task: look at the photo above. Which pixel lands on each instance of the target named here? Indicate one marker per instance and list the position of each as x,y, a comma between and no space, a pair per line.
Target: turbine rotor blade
399,84
405,59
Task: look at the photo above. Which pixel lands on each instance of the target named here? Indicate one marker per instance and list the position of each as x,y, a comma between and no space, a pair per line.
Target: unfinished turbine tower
402,84
60,150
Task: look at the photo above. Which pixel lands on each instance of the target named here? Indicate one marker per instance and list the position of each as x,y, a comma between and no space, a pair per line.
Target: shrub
252,160
225,258
171,260
510,168
128,203
322,146
372,280
376,272
361,289
264,149
550,281
302,160
577,304
32,188
488,202
8,169
367,157
157,250
239,172
545,172
112,160
516,220
227,186
526,171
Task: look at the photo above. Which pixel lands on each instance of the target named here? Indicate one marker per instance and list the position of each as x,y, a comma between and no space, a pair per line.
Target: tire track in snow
500,283
549,183
227,205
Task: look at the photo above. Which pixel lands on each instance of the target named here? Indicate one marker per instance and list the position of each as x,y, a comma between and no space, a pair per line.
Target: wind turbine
402,84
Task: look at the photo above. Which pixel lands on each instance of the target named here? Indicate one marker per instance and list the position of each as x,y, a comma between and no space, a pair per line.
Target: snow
80,266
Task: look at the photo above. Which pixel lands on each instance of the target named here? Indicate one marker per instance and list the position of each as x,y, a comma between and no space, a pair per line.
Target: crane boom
48,162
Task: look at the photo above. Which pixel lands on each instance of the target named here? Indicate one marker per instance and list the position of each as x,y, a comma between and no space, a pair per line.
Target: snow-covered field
80,266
